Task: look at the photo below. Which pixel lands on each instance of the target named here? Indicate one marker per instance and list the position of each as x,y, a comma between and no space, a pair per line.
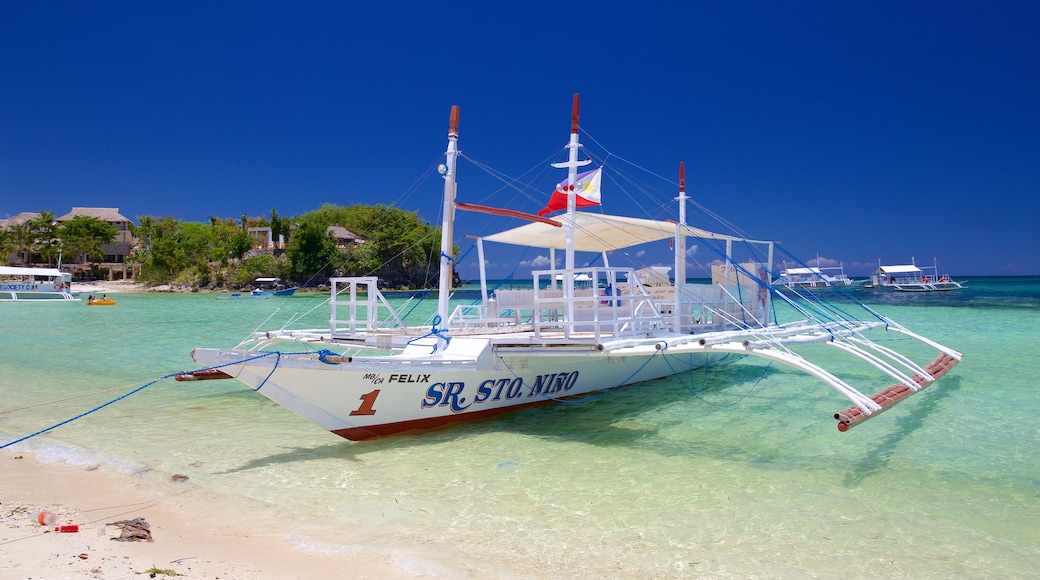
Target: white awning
20,271
903,269
796,271
595,232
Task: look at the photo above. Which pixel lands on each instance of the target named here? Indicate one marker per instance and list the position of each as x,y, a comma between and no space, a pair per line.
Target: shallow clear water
737,472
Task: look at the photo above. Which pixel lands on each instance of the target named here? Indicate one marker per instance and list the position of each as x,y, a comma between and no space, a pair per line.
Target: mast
572,164
680,246
448,219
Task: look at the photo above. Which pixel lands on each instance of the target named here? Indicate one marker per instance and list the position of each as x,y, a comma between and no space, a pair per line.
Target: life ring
58,286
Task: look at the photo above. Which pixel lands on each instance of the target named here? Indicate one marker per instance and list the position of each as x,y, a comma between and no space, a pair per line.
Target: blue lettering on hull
453,394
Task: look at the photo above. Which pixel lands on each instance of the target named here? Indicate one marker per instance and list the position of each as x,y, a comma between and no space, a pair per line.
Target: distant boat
19,284
912,278
245,295
814,277
276,286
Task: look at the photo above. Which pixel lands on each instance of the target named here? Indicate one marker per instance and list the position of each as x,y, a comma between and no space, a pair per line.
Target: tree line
398,246
78,239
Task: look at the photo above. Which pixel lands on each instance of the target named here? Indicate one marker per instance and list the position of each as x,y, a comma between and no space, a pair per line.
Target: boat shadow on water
618,420
605,419
334,450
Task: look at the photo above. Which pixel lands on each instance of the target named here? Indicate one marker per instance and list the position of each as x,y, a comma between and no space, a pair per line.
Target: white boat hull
364,399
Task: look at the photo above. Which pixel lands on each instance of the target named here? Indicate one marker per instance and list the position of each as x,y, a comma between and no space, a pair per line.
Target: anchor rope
123,396
72,398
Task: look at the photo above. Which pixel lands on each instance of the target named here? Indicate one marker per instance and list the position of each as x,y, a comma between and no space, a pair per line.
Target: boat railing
365,308
605,306
480,317
606,301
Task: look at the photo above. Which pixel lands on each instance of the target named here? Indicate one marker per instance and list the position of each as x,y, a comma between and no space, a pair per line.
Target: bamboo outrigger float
577,330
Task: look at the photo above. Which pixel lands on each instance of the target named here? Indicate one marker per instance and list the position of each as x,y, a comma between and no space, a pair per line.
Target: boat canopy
20,271
596,232
903,269
797,271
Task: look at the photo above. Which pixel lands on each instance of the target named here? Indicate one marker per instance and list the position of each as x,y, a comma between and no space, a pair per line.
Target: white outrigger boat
814,277
21,284
912,278
368,375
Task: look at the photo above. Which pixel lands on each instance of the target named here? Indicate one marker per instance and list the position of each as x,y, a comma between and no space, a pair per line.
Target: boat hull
16,296
366,399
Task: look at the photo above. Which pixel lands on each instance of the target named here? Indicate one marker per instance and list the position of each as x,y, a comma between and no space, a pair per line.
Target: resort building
344,237
262,238
119,250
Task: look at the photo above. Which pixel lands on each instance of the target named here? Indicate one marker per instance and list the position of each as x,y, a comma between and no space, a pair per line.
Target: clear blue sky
849,129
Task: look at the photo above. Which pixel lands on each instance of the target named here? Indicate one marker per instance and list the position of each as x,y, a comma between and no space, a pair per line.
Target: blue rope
137,390
705,382
839,289
466,253
274,367
425,293
323,356
441,333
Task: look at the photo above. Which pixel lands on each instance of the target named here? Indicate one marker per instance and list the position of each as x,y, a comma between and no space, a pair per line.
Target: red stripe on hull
429,424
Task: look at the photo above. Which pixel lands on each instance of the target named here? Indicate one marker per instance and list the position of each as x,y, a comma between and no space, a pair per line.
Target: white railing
365,307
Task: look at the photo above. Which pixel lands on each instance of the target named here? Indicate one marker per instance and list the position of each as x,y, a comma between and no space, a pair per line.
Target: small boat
573,332
103,301
257,293
276,286
912,278
814,277
19,284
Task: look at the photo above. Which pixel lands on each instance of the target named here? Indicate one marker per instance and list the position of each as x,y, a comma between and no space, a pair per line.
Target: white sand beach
91,498
112,287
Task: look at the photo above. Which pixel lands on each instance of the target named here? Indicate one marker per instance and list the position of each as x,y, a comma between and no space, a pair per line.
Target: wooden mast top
574,115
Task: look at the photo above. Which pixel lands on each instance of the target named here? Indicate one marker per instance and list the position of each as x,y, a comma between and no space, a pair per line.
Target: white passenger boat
369,375
913,278
814,277
20,284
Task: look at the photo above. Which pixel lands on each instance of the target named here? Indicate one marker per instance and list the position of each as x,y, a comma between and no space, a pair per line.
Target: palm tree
22,242
6,245
45,229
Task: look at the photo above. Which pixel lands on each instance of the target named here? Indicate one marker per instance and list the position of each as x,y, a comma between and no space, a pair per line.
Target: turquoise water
738,472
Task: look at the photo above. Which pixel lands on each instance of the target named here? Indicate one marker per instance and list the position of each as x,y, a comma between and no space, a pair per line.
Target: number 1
367,401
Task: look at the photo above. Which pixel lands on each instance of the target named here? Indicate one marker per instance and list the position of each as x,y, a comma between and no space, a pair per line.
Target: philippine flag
586,192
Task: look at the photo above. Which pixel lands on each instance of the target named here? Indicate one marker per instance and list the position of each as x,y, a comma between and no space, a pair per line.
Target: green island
306,250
